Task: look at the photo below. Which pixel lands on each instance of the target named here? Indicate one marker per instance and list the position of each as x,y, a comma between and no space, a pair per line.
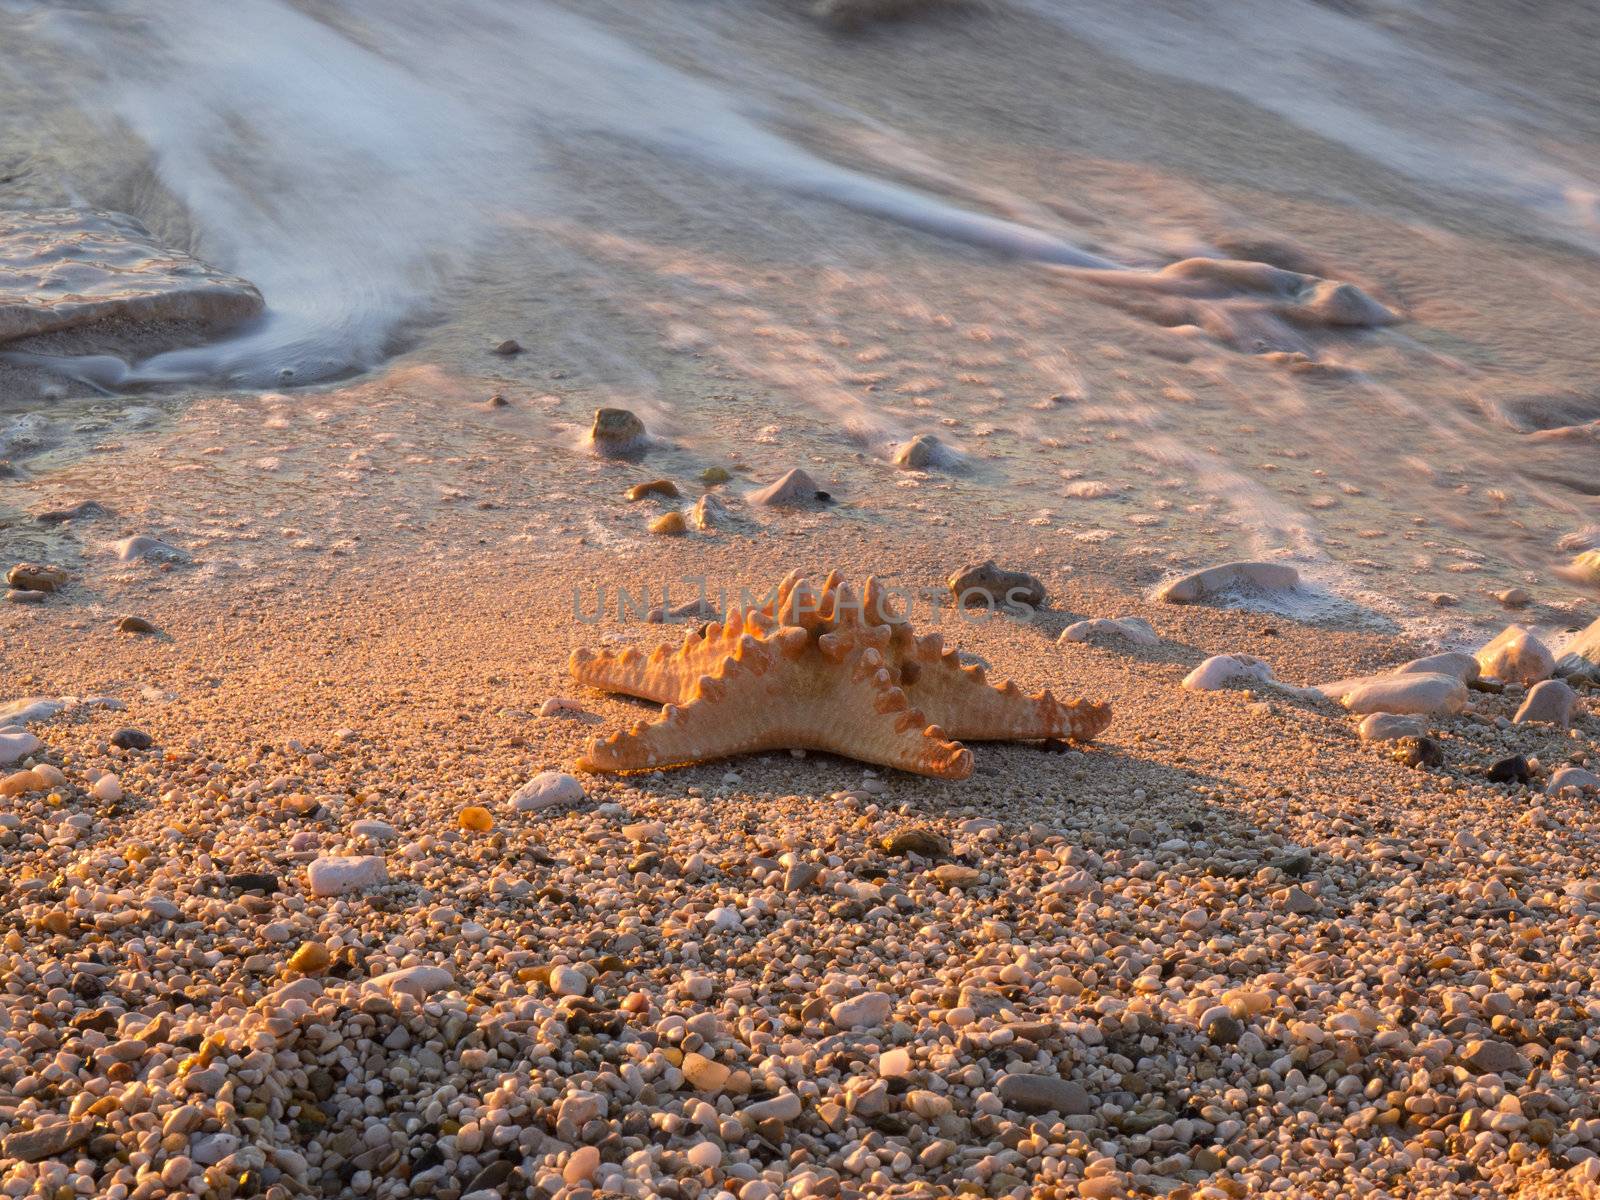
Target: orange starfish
829,670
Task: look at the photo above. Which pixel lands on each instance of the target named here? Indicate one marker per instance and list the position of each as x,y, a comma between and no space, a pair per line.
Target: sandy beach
305,891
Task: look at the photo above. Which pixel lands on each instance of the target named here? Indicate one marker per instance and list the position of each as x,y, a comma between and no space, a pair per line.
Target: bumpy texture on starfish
829,669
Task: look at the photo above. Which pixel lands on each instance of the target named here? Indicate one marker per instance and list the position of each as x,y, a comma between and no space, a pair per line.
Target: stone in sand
654,487
36,577
1422,694
1130,629
993,586
1514,597
708,513
918,453
865,1011
1453,662
418,982
670,524
1263,576
1389,727
1221,670
547,789
1582,654
84,510
1516,656
1571,777
140,545
509,347
75,268
132,624
616,431
24,596
1549,702
17,744
795,490
339,875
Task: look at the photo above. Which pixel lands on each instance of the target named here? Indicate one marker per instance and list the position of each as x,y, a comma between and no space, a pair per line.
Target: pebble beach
1268,434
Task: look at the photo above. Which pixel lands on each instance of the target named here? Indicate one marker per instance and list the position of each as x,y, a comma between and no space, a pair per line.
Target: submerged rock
1516,656
76,268
794,490
1263,576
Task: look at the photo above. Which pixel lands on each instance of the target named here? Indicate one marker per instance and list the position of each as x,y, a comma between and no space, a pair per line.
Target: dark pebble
132,739
1510,770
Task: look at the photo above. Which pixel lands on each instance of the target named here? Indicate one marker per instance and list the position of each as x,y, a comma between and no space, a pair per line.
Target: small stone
1389,727
340,875
17,744
132,624
581,1166
1510,770
1453,662
509,347
24,596
1229,577
786,1106
712,476
263,882
1300,902
1422,693
208,1149
800,876
37,577
705,1074
475,819
378,831
1571,777
670,524
930,1106
993,586
1516,656
568,981
955,875
867,1010
132,739
616,431
547,789
917,453
1134,630
1490,1057
310,958
704,1156
1044,1093
1515,597
709,513
45,1141
418,982
929,843
893,1064
655,487
1418,752
84,510
107,788
1223,670
21,782
1581,656
1224,1029
1550,702
796,489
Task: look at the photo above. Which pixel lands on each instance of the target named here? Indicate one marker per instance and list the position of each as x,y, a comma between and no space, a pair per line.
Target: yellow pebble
310,958
476,819
672,524
19,782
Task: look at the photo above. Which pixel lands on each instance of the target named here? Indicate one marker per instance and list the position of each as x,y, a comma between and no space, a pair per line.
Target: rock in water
794,490
994,586
1549,702
918,453
1582,653
142,545
36,577
1220,670
708,513
1516,656
1261,576
616,431
77,268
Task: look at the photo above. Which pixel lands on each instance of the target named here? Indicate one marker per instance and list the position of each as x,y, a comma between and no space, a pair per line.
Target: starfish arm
667,674
755,704
961,701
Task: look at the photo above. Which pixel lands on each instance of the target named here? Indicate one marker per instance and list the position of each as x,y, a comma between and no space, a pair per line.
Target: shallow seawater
792,248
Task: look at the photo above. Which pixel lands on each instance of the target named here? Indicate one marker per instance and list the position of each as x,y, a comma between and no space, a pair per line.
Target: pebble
133,624
378,831
1224,670
1515,655
1515,597
509,347
1494,1057
795,489
670,524
17,744
418,982
310,958
1549,702
1510,770
709,512
339,875
929,843
547,789
1581,655
917,453
1227,577
45,1141
617,431
993,586
24,596
1135,630
865,1011
1044,1093
1571,777
1418,752
475,819
107,788
37,577
568,981
581,1166
1458,663
1389,727
654,487
128,738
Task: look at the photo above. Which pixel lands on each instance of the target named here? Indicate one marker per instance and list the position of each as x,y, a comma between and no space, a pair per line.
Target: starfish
830,670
